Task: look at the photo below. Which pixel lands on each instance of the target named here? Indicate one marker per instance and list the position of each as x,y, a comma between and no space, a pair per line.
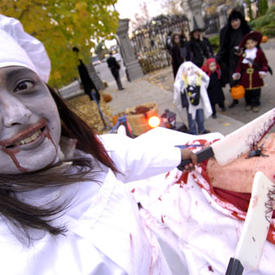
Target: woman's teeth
29,139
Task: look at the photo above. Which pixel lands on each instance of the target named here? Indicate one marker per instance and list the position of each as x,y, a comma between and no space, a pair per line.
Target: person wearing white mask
63,206
190,92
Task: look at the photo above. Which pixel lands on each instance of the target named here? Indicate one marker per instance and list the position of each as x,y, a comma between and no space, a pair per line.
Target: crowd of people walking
240,62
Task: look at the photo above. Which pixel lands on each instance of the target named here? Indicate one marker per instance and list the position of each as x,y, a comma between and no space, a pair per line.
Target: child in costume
214,89
190,92
251,70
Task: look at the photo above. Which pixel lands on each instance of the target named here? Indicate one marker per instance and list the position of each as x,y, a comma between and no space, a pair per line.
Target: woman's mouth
26,138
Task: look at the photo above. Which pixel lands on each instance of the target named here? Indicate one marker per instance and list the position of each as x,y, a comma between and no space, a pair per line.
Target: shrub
265,24
215,42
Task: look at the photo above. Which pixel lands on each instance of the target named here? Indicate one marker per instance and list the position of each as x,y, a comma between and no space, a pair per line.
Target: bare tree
172,6
211,5
142,17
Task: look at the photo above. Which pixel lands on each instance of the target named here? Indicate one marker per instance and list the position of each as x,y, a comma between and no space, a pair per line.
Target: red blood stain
162,219
13,152
210,268
133,190
183,178
167,175
271,234
159,198
236,215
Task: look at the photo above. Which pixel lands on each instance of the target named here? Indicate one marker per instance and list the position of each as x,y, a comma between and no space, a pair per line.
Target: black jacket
114,66
197,52
177,58
214,89
230,38
86,81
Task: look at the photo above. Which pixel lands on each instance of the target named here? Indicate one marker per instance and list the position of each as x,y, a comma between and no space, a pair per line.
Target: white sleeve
138,159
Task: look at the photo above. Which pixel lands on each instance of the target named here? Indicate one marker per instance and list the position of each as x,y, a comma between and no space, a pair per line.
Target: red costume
250,78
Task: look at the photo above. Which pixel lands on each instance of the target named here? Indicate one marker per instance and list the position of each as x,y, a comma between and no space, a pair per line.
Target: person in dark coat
251,70
177,52
228,56
207,45
86,81
197,50
214,89
114,67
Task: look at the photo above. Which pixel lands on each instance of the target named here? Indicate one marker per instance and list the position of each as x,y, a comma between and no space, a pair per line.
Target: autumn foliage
62,24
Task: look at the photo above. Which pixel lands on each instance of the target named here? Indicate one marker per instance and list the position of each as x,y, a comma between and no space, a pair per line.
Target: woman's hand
187,154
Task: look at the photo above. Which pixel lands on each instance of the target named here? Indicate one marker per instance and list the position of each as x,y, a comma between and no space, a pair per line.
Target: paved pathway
142,91
158,87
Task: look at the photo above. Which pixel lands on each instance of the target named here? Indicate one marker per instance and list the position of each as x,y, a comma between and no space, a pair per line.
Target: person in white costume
66,211
190,75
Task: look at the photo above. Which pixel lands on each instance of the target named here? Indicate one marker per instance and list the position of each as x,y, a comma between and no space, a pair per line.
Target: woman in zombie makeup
63,206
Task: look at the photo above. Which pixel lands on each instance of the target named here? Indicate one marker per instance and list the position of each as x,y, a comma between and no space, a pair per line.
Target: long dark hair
235,14
174,35
25,216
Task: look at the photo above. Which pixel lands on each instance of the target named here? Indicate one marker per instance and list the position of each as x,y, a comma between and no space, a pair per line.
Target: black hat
256,36
196,29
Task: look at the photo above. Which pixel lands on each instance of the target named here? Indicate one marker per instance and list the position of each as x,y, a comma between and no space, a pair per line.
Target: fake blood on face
12,152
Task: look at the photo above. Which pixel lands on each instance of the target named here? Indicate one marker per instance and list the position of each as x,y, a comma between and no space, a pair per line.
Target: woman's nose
13,111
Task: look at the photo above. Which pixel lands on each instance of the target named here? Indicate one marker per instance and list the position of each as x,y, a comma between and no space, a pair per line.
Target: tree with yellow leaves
62,24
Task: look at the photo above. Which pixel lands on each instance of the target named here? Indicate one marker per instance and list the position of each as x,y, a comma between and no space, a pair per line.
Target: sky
128,8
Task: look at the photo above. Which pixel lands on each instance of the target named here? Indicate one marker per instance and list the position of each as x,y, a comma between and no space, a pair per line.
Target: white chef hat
17,48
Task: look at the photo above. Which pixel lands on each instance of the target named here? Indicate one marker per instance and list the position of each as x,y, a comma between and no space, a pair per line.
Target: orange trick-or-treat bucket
237,92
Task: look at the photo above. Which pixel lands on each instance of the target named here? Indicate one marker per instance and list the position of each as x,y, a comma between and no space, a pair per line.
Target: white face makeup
29,122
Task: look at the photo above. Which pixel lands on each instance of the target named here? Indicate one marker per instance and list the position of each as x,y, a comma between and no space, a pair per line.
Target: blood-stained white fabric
106,234
201,229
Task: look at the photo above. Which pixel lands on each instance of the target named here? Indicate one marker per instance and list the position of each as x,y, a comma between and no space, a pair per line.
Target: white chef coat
105,233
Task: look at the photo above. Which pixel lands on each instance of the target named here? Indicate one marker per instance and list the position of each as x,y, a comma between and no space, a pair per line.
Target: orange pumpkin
237,92
264,38
107,97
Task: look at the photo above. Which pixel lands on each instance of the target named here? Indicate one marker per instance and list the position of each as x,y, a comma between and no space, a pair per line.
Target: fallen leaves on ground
88,111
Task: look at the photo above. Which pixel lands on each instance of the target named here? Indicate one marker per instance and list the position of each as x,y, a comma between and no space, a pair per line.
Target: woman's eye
24,85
